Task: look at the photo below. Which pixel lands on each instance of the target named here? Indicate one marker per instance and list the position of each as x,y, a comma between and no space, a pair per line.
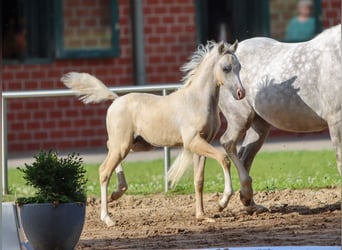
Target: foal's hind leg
200,147
122,184
106,169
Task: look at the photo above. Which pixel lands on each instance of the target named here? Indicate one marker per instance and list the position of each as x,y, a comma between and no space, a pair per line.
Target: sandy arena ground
301,217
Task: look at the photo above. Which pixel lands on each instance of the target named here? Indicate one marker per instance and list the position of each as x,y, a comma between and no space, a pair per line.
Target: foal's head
218,60
227,69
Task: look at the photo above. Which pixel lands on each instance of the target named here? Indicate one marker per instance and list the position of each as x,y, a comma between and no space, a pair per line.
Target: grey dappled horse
293,87
188,117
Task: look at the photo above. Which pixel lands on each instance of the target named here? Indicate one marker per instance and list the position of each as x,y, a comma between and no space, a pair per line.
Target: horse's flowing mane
195,60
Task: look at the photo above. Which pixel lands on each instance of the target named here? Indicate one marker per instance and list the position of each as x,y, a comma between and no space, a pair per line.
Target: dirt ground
295,217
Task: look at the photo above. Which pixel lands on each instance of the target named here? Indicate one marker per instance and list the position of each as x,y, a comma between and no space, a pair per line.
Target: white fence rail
163,88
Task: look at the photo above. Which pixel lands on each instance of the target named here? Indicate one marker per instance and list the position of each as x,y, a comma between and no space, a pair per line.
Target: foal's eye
227,69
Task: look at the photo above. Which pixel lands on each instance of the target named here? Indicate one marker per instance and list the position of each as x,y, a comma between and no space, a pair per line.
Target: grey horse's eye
227,68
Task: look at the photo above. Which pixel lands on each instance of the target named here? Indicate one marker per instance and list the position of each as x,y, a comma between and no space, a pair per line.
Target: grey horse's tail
87,87
179,166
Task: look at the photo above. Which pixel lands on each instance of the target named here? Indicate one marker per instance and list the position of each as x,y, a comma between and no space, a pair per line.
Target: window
241,19
26,30
283,24
40,30
86,29
231,19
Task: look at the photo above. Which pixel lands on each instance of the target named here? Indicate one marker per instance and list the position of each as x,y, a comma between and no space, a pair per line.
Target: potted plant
54,217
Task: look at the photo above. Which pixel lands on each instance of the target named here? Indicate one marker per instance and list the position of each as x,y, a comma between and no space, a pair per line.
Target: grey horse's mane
197,57
332,29
332,34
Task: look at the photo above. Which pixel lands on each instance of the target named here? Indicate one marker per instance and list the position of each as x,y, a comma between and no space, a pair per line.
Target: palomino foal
187,117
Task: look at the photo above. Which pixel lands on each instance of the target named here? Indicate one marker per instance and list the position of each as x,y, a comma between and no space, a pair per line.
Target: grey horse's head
227,69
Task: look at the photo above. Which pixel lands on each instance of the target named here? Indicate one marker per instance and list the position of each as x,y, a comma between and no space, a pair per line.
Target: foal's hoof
108,221
209,220
114,196
205,219
220,208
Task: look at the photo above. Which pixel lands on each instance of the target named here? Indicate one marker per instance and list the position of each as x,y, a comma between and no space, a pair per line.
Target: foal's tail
179,166
89,88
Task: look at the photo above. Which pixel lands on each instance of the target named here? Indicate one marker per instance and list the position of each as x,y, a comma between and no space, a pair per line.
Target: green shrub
55,179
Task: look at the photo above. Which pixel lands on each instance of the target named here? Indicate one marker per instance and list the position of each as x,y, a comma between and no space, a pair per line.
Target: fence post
4,145
167,160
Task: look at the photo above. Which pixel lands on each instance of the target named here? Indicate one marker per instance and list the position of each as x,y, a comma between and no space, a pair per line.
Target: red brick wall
331,13
170,38
65,123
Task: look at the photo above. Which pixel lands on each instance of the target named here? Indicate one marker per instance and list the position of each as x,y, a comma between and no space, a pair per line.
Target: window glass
229,20
39,30
26,29
294,20
87,27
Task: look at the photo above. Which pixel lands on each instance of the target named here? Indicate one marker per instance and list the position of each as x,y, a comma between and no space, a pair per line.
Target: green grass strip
270,171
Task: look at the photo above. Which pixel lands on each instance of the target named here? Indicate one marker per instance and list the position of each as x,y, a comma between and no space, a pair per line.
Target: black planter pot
49,227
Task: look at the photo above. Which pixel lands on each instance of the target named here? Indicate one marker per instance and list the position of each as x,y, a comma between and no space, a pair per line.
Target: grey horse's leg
239,116
231,149
335,131
252,143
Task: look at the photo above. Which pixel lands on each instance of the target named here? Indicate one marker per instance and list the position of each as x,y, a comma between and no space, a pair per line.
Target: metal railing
164,88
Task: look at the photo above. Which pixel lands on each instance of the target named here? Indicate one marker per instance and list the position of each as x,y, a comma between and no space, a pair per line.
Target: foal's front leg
199,164
201,147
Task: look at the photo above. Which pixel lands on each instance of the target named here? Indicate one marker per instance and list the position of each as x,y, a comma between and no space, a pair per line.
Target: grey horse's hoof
260,209
254,208
220,208
247,198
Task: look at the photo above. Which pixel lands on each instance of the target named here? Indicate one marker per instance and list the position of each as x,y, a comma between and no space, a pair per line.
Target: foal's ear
233,47
221,48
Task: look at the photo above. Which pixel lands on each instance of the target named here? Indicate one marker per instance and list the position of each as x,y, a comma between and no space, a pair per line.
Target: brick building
45,39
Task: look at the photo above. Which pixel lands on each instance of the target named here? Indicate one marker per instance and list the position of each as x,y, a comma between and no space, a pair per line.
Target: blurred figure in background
14,42
302,27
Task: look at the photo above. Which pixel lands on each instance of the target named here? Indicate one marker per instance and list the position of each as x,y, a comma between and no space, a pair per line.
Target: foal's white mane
197,57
